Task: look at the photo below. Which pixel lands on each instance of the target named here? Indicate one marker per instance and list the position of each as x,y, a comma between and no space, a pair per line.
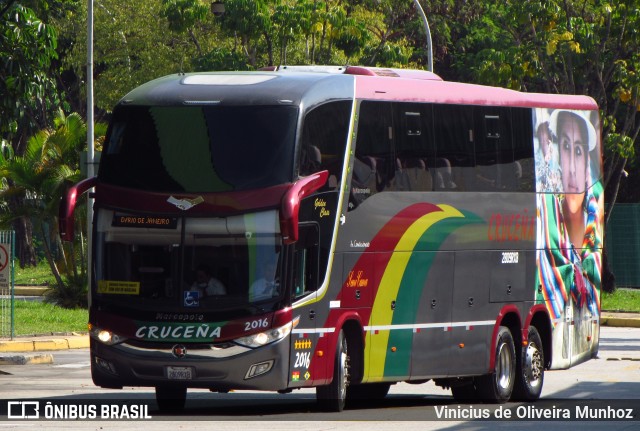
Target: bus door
304,284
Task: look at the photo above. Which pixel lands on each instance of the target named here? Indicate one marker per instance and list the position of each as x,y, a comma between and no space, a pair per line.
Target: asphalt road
613,378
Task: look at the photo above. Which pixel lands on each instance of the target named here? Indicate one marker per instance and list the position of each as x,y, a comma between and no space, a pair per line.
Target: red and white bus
343,228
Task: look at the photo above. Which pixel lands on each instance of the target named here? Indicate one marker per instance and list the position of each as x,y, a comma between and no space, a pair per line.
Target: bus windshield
187,265
199,149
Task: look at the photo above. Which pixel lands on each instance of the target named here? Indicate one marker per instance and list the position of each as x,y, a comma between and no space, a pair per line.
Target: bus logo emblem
179,351
185,204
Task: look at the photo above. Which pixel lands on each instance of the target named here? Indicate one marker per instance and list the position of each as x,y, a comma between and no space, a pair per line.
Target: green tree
183,16
28,93
38,178
131,46
247,22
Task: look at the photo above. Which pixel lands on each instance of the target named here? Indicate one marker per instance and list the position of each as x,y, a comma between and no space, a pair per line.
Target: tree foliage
38,179
28,92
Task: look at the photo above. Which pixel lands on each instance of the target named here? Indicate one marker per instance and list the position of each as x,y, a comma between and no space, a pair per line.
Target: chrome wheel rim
344,371
504,367
534,364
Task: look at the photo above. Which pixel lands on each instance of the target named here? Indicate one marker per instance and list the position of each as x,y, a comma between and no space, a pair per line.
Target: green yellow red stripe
397,279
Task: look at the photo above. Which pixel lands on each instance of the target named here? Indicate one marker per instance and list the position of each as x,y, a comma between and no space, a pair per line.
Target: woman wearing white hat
570,235
576,137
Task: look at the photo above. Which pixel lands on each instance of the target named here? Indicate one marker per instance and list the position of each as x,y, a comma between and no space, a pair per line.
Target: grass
34,276
627,300
36,318
40,318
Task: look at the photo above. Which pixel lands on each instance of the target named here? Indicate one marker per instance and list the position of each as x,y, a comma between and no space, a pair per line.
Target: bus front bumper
265,368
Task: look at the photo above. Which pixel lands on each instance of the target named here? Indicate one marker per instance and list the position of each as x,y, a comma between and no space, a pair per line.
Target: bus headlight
105,336
263,338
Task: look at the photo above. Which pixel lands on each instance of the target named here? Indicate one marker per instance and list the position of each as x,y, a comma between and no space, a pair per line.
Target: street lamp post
90,133
428,32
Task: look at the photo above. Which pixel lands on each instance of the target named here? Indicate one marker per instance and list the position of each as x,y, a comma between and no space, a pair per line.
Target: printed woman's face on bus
574,157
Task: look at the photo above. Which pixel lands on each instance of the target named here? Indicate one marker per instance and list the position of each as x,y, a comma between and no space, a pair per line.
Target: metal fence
7,297
623,244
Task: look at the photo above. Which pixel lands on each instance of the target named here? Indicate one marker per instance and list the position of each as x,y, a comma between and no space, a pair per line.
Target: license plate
179,373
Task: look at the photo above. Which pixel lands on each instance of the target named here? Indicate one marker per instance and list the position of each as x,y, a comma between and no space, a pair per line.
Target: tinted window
423,147
323,146
455,154
324,139
373,166
200,149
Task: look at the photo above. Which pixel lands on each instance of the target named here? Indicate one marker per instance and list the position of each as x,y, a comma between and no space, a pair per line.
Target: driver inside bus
266,286
206,284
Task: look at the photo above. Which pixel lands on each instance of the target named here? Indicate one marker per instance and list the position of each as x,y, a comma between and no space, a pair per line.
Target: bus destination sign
157,222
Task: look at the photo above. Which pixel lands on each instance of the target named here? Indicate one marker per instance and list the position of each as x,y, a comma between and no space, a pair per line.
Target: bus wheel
332,397
170,398
498,386
530,372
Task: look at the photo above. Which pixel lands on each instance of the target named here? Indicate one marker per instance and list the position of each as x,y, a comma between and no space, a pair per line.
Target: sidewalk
23,350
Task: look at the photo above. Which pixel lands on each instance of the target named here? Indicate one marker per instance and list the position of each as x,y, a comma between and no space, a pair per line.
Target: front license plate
179,373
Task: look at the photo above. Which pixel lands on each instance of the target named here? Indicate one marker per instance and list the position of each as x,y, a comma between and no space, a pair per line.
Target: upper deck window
200,149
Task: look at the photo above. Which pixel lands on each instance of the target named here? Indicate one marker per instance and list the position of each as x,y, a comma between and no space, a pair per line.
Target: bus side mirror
291,203
66,220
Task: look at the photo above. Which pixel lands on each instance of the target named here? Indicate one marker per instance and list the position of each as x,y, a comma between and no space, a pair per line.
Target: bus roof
292,84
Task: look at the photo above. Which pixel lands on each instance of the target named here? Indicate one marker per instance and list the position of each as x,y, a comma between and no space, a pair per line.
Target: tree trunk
52,263
25,251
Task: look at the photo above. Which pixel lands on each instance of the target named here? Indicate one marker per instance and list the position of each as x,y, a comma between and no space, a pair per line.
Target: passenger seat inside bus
510,176
363,181
311,160
443,174
312,163
417,176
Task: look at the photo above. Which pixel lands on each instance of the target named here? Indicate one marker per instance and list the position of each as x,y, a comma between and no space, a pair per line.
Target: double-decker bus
343,228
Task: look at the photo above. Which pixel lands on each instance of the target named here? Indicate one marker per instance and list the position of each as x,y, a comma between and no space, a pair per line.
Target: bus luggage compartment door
508,278
473,315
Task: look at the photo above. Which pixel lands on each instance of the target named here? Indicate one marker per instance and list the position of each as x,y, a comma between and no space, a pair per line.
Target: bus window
414,147
324,139
305,265
492,139
199,149
374,165
454,142
523,149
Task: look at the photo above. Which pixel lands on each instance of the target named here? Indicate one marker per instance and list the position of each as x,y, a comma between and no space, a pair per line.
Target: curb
36,345
30,290
623,322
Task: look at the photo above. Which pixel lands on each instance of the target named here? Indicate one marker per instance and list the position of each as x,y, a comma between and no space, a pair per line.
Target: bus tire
530,369
171,398
333,396
497,386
